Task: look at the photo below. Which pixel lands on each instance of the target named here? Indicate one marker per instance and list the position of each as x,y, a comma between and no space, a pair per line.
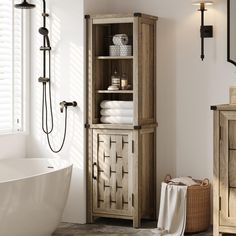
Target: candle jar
124,81
115,79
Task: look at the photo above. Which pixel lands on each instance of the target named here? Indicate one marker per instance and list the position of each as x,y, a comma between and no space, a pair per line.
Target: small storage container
198,206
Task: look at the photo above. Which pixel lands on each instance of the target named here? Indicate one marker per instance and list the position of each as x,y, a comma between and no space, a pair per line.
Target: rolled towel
116,120
117,104
120,39
117,112
188,181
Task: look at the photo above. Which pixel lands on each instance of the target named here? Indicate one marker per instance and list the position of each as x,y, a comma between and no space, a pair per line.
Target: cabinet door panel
232,168
112,188
232,203
232,134
227,168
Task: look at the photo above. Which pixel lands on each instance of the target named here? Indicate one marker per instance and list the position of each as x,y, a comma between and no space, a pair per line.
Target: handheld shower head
44,31
24,5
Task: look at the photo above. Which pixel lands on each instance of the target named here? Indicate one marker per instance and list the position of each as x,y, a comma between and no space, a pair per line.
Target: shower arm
45,15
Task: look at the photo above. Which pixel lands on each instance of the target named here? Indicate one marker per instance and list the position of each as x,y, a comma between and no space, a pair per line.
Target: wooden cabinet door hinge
132,146
219,203
132,200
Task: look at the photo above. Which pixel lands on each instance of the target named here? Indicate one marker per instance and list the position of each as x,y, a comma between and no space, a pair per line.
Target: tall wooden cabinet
121,158
224,169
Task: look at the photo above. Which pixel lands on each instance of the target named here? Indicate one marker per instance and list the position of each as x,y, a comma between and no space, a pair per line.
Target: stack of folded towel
116,112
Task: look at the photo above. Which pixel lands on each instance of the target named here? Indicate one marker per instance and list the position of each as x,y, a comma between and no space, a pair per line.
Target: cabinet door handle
94,166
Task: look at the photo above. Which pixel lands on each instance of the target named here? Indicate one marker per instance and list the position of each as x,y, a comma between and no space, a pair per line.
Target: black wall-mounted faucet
65,104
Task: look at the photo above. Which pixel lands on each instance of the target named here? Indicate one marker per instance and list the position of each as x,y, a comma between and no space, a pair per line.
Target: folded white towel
116,120
117,104
117,112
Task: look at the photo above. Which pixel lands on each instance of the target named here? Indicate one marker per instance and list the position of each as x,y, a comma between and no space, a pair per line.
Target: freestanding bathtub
33,193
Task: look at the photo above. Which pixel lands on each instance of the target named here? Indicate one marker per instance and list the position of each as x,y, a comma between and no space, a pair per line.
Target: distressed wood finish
224,107
227,174
121,162
224,169
89,162
148,162
115,16
232,168
113,158
216,160
136,71
147,79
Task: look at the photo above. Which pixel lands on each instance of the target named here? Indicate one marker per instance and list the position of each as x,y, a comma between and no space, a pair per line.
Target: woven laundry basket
198,206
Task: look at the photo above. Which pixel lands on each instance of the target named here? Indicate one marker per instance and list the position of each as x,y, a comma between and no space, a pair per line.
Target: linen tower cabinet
224,198
121,157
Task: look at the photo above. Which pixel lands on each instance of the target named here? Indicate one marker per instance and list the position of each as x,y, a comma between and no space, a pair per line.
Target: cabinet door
112,172
228,168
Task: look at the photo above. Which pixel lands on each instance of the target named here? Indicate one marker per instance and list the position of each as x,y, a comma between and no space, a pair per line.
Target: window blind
10,67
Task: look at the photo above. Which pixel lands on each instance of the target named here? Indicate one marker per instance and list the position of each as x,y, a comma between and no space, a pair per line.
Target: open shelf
115,58
116,91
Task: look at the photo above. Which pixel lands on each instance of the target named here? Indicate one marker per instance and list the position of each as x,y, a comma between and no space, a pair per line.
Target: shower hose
45,119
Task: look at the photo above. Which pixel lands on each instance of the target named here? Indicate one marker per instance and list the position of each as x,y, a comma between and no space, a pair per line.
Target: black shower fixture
206,31
44,31
24,5
46,80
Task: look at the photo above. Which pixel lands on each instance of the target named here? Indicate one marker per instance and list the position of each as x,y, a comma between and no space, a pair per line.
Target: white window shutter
10,67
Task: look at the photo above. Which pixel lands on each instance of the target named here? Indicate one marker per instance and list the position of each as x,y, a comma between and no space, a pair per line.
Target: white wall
12,146
232,30
66,28
97,7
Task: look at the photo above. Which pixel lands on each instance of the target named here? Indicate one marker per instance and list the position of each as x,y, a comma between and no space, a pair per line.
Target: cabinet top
224,107
136,14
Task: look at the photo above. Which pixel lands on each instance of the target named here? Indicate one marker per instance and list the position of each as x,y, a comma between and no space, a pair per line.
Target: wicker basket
198,207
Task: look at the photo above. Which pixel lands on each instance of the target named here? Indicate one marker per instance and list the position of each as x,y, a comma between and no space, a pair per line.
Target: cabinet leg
217,234
136,222
90,219
216,231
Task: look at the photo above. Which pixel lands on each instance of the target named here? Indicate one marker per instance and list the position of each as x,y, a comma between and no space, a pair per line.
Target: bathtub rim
53,170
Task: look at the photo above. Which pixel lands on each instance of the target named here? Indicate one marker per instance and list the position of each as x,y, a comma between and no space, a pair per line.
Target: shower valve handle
65,104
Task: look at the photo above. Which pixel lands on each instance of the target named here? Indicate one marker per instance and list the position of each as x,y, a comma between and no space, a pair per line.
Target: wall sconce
206,31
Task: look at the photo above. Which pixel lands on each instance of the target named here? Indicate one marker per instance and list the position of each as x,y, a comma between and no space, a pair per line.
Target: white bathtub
33,193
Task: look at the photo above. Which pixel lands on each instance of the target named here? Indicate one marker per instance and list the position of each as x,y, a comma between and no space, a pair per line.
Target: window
11,68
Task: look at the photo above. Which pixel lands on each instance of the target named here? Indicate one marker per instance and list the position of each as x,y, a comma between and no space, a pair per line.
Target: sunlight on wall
67,80
76,85
36,88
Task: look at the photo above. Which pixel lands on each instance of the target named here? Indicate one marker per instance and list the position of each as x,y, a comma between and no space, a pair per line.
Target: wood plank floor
111,227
